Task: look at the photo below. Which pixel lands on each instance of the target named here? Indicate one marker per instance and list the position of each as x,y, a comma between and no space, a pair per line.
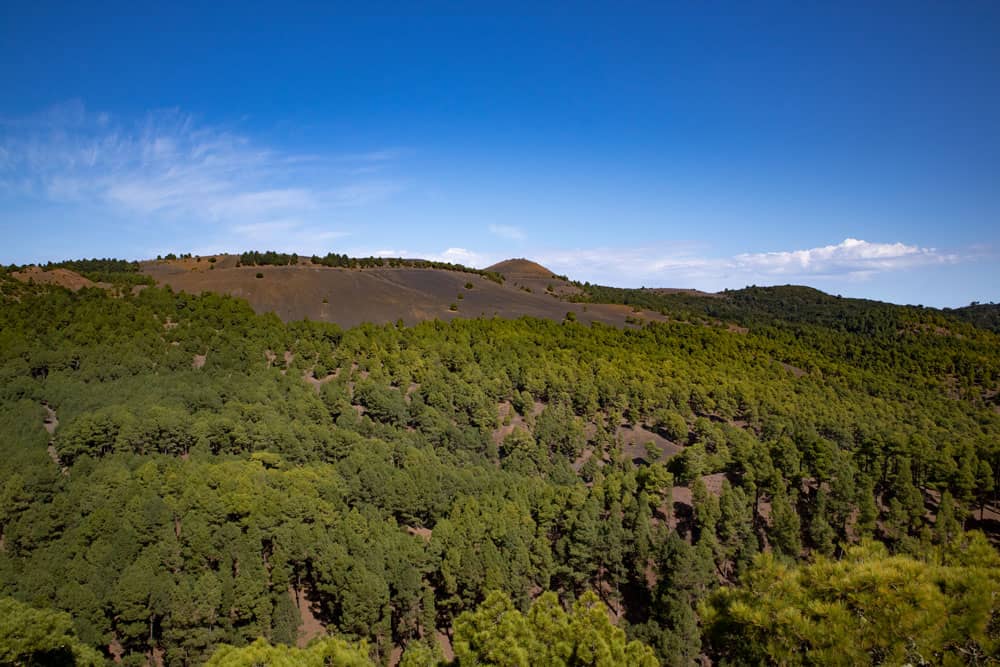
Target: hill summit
520,266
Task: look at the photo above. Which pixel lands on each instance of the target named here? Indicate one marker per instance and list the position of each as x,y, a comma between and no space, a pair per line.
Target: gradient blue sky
853,147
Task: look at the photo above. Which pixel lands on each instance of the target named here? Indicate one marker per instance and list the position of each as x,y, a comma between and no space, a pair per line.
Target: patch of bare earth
681,502
310,627
421,532
794,370
317,383
580,461
50,423
116,650
445,643
506,412
157,658
634,440
713,483
509,420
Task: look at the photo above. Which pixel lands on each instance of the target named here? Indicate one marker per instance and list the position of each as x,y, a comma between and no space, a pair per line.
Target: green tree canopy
868,608
496,633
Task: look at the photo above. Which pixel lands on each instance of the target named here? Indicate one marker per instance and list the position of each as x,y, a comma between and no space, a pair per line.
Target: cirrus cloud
166,166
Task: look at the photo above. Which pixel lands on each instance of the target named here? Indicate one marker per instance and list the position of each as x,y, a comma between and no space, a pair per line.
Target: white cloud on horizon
852,259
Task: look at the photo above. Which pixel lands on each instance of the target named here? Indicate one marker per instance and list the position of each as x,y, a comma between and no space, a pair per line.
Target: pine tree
706,509
683,579
906,505
984,486
786,527
821,533
285,619
734,530
946,526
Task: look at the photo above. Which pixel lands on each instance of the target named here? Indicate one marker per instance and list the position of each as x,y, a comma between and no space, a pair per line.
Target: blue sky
851,147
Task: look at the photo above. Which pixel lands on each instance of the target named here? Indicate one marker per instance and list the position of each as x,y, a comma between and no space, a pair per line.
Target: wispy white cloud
851,259
168,167
508,232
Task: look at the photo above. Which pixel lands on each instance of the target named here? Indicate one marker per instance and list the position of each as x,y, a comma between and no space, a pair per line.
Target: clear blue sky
855,148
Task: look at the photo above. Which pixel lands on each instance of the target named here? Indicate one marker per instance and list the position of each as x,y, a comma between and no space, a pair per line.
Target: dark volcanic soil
381,295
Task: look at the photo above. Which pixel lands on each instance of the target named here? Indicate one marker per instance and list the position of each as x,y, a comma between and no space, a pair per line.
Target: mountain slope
524,273
350,296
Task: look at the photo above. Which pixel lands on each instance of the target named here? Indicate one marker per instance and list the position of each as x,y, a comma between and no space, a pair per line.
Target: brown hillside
527,275
349,297
521,266
61,277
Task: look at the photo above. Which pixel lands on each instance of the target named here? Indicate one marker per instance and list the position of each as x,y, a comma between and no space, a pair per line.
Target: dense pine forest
772,476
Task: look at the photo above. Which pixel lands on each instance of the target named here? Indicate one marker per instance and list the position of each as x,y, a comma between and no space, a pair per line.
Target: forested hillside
783,479
983,315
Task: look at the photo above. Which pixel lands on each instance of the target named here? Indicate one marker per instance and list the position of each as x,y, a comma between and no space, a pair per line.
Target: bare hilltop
408,290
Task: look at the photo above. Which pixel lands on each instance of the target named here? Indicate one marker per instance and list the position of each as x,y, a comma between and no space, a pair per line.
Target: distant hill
381,291
71,280
791,305
348,291
524,273
982,315
521,266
